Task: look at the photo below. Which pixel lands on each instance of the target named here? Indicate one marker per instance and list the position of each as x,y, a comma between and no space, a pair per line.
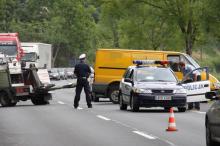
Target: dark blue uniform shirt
82,70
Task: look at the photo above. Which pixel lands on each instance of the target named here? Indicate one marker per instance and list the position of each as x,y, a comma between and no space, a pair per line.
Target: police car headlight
142,91
217,85
180,91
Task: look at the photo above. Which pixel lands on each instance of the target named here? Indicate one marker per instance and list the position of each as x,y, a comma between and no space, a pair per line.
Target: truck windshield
10,50
29,57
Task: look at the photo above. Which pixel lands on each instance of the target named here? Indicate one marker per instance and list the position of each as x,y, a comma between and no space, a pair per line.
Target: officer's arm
89,71
76,70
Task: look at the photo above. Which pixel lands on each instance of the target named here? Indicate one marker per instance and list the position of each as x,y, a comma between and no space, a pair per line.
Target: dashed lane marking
60,102
102,117
80,108
144,135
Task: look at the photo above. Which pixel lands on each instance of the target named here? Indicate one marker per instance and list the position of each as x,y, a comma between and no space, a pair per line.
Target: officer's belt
83,78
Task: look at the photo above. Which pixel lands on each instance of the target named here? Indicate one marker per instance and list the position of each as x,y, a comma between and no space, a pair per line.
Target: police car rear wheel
181,109
166,108
121,103
133,104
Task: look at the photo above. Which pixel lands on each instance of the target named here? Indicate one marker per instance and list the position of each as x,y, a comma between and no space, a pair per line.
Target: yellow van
110,65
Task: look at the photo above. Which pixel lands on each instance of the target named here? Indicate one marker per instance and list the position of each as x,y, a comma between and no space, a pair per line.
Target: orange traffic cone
172,124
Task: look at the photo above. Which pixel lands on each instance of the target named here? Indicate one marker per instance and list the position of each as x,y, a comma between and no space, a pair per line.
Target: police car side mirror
128,80
211,95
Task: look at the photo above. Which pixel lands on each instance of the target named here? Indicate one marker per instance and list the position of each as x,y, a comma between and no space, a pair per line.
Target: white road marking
102,117
60,102
80,108
144,135
199,112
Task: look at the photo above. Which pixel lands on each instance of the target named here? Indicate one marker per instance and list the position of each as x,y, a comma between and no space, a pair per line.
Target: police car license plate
162,98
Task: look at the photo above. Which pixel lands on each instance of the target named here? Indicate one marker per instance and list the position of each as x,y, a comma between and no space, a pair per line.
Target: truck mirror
38,57
23,64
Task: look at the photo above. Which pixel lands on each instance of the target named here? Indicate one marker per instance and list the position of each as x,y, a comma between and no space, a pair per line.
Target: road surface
59,124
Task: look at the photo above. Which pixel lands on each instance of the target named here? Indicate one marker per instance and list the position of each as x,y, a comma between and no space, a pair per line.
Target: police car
147,85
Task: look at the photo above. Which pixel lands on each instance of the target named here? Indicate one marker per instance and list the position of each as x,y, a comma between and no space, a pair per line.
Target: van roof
130,50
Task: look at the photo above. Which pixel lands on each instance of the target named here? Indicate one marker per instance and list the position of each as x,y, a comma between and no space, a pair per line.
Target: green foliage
81,26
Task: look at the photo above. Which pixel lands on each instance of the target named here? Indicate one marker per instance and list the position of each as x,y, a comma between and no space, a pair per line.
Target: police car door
197,88
126,85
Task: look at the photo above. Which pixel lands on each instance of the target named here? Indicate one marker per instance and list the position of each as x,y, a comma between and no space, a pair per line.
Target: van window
129,73
176,59
173,58
192,61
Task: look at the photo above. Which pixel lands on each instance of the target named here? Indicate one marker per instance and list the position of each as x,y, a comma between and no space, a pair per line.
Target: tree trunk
56,49
188,44
115,34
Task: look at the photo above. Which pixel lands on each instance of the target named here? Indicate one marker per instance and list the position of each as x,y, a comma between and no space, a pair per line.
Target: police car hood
158,85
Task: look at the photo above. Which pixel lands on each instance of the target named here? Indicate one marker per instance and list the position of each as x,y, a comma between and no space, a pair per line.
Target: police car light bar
164,62
145,62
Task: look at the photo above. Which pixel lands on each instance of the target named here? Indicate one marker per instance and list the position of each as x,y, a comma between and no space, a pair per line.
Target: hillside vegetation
81,26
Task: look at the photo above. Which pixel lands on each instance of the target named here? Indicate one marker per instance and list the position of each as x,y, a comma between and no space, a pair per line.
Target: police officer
186,68
82,72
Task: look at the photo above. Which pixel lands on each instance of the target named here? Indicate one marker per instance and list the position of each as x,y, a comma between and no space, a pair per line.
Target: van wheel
4,99
95,98
113,94
133,104
121,103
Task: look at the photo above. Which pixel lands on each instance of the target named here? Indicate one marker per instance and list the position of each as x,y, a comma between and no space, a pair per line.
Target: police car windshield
155,75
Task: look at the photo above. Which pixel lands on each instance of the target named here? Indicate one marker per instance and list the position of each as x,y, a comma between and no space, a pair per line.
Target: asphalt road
59,124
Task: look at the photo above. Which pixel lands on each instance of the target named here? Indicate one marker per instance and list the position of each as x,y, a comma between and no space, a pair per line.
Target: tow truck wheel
113,94
39,101
133,104
4,99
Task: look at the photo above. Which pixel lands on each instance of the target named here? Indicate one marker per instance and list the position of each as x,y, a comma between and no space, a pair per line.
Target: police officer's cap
82,56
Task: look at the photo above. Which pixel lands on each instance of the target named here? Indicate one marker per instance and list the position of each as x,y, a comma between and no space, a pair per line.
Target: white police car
153,86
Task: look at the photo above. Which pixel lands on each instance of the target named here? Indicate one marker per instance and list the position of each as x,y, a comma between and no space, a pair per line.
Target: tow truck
21,84
17,82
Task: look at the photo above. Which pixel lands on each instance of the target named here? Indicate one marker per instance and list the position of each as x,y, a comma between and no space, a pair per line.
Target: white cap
82,56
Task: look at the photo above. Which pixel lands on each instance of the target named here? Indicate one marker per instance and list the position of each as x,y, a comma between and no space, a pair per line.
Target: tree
186,14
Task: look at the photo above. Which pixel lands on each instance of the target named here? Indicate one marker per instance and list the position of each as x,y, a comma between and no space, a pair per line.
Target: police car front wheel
121,103
133,104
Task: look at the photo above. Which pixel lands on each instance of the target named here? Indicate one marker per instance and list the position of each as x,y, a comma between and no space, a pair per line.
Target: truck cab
10,45
38,54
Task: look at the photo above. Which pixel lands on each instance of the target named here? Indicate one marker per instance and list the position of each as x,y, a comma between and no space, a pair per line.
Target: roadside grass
209,58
